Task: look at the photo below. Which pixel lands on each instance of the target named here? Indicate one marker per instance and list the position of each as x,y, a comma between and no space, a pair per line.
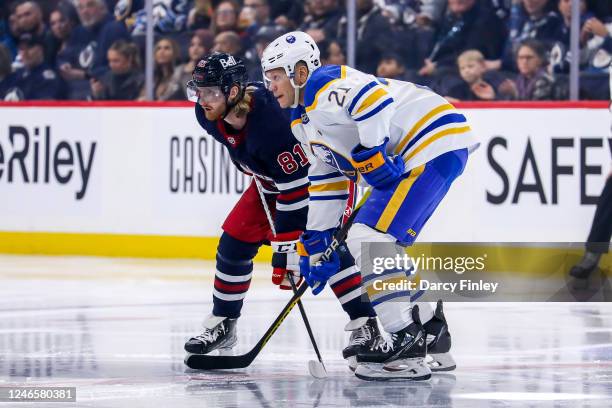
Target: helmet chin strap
296,94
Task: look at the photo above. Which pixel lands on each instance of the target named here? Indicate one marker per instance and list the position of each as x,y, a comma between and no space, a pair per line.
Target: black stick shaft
306,322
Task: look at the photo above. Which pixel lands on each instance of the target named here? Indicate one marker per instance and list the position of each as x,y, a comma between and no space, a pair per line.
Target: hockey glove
377,169
285,259
310,248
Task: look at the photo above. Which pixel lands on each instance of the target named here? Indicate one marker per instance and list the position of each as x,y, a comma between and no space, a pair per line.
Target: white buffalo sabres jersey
344,107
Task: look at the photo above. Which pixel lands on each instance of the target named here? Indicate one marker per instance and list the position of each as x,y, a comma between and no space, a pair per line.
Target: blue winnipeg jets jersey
267,148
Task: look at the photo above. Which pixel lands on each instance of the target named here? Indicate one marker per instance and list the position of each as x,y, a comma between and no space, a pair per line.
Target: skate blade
352,363
440,362
401,370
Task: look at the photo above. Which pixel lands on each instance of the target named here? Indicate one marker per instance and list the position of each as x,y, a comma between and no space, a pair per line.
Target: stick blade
207,362
317,369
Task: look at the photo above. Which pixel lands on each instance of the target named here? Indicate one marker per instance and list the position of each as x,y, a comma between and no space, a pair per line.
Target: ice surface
115,328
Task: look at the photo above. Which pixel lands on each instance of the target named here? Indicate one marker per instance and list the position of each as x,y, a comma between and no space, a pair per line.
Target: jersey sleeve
329,191
371,106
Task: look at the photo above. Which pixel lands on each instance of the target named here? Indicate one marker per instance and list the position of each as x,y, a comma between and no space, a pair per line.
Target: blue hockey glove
310,248
377,169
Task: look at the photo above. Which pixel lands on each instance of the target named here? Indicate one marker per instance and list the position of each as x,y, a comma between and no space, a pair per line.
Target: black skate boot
402,357
364,332
439,342
586,266
219,334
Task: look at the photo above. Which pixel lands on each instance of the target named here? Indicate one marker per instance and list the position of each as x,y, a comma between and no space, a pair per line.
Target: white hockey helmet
286,51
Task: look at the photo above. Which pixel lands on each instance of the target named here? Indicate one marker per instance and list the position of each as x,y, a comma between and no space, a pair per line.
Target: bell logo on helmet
290,39
229,62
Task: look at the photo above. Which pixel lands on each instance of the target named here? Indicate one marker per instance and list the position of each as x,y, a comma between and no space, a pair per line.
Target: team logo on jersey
202,64
86,56
334,159
305,119
229,62
232,140
290,39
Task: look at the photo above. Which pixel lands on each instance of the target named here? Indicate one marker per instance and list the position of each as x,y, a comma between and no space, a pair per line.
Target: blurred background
480,50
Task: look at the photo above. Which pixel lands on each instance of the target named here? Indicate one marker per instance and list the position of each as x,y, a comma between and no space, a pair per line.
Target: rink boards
145,180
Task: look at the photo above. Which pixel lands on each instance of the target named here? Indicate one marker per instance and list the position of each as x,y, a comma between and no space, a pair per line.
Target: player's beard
214,113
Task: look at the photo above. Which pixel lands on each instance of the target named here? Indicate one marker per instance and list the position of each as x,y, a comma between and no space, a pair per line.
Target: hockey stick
207,362
316,370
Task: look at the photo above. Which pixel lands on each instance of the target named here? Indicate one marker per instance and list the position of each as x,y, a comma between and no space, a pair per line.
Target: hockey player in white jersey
407,143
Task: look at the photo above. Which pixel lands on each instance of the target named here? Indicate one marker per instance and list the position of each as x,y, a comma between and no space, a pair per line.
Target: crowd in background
463,49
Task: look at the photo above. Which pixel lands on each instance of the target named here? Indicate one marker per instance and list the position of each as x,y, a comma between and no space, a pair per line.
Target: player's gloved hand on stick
285,259
310,248
375,166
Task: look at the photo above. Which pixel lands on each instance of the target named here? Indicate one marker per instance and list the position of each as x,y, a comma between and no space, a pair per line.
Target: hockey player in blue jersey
405,142
247,120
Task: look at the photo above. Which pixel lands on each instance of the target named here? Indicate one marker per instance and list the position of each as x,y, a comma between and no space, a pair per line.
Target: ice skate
219,334
364,332
439,342
586,266
401,357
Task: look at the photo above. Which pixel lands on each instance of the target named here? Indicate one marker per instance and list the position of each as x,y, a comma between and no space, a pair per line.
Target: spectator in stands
534,19
532,83
254,15
559,54
85,53
596,35
406,29
167,73
430,13
373,34
8,30
124,80
200,45
252,57
322,19
200,16
468,24
168,16
36,80
225,17
478,84
5,68
391,66
601,9
228,42
62,20
287,13
30,18
332,53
